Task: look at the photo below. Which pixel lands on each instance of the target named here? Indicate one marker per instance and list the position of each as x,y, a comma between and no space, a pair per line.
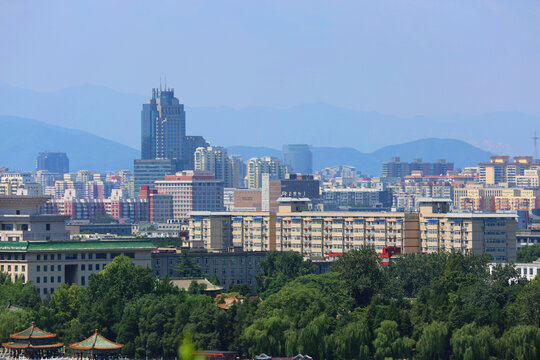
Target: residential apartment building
214,159
238,172
266,165
18,183
495,198
134,210
192,191
316,234
501,170
192,144
351,197
399,169
529,179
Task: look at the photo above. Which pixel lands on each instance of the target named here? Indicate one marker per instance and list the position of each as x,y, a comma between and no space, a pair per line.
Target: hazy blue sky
397,57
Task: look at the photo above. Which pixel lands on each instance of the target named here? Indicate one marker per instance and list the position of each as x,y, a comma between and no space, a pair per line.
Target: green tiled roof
13,245
96,342
90,245
32,332
76,245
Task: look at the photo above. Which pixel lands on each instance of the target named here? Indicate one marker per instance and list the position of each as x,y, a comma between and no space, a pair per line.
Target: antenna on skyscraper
535,139
159,82
165,82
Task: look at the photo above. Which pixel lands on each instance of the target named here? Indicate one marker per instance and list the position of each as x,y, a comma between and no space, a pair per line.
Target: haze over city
258,180
406,58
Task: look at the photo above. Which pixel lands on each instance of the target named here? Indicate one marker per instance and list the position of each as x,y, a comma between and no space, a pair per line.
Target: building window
38,280
83,256
59,279
23,268
90,256
97,266
38,268
16,267
71,256
45,257
83,267
101,255
45,290
38,257
83,281
52,279
59,257
130,255
47,227
59,267
52,256
45,279
89,267
44,268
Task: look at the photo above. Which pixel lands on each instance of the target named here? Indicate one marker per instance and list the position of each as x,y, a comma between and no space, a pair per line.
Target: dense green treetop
435,306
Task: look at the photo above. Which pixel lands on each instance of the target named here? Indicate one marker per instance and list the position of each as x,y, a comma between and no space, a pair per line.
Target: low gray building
230,267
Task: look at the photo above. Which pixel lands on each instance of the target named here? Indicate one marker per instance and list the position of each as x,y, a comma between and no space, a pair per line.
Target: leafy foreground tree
471,342
186,267
389,344
526,309
108,292
358,311
361,271
433,344
278,268
520,343
528,254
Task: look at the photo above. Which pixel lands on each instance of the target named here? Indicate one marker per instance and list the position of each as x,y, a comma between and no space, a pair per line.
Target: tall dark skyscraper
163,128
55,162
298,157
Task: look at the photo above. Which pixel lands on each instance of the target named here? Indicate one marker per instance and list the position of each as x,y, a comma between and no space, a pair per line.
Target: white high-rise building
265,165
214,159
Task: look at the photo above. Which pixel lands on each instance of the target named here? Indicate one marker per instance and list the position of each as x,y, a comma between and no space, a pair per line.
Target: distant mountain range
116,116
25,138
429,150
22,139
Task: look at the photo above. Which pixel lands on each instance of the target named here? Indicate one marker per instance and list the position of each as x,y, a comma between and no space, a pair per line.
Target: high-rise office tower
163,128
298,158
55,162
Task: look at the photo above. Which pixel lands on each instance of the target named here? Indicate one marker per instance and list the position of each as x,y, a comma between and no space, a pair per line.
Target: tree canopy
435,306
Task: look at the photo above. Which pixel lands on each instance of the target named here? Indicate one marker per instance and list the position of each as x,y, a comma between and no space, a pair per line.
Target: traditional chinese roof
33,338
33,332
96,342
